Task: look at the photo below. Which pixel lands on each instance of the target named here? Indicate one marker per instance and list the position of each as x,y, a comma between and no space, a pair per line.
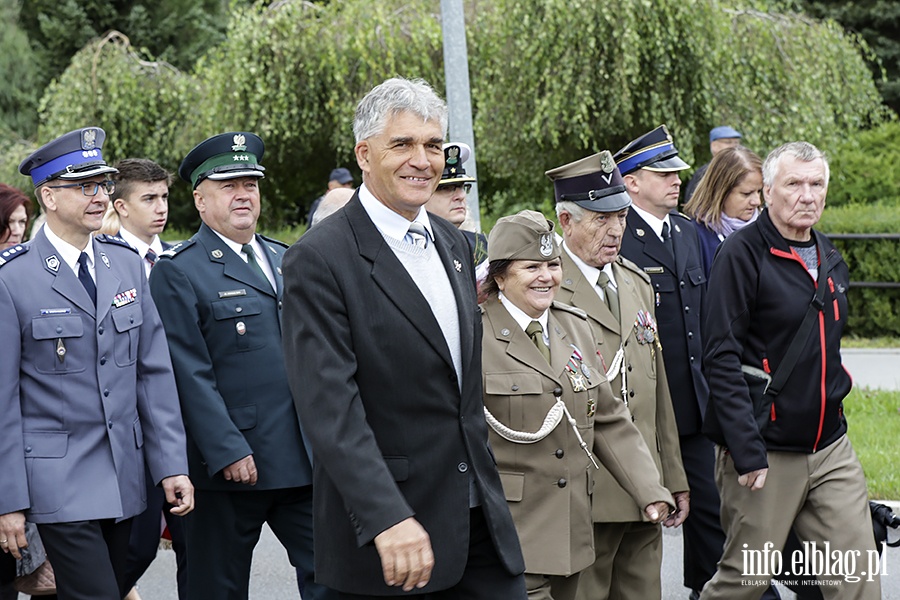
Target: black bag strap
799,342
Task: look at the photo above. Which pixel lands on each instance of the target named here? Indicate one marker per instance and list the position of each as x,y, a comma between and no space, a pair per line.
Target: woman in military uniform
544,388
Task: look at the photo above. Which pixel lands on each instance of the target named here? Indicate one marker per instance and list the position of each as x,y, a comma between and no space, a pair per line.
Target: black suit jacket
392,434
680,286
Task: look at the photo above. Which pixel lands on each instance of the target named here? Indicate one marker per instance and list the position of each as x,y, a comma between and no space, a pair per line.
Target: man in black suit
220,296
383,344
664,244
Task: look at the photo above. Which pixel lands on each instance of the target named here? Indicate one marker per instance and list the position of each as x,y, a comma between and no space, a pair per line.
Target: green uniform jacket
647,389
549,483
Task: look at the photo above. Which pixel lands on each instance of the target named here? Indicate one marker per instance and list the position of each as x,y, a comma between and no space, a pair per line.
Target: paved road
873,368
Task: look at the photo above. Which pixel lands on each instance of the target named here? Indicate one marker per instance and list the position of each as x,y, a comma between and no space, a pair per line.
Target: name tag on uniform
233,293
56,311
125,298
654,270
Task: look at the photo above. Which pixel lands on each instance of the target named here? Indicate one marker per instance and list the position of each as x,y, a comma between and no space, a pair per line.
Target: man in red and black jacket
797,468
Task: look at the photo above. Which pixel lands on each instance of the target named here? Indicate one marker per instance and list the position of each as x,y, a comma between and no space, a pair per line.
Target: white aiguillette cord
553,418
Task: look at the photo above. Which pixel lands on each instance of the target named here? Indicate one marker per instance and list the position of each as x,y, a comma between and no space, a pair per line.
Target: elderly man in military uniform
592,205
220,296
86,387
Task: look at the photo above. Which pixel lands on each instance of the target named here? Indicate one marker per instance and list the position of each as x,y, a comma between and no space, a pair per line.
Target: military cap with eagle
455,154
224,156
74,155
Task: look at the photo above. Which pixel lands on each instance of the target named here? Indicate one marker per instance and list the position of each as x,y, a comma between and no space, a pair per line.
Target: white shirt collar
68,253
387,221
261,259
592,274
521,318
140,245
655,223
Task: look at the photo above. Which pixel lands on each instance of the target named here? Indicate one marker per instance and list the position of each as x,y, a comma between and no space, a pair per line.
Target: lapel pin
216,253
104,259
457,265
278,269
677,228
640,232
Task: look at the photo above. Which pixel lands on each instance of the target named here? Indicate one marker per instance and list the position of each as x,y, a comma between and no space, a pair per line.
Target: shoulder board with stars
11,253
570,309
274,241
627,264
174,250
105,238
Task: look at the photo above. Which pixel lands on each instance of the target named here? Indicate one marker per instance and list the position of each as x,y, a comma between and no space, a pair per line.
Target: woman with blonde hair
727,198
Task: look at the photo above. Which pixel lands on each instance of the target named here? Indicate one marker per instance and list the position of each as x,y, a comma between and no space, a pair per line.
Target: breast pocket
127,321
241,315
55,340
514,398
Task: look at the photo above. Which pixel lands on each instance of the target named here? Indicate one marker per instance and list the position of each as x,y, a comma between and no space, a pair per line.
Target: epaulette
682,215
171,252
274,241
105,238
570,309
627,264
11,253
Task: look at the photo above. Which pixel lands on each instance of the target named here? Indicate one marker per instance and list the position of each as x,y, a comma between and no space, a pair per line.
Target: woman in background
727,198
15,212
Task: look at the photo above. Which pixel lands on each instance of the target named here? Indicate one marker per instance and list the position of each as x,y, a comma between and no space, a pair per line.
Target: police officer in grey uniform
86,387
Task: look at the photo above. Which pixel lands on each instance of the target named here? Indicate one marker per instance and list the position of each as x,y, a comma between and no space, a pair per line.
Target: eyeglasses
456,186
90,188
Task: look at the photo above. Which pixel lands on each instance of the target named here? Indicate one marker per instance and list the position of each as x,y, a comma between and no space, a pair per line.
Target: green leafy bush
866,168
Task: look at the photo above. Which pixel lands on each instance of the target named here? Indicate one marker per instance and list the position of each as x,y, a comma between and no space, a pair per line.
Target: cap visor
455,180
672,163
611,203
235,174
98,170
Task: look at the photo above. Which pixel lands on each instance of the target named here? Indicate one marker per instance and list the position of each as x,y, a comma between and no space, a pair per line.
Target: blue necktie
84,276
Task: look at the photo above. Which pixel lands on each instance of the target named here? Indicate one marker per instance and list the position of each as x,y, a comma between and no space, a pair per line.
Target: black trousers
144,540
485,577
223,531
88,558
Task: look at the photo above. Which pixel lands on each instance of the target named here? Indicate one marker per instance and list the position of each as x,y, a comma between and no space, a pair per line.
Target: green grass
874,425
861,342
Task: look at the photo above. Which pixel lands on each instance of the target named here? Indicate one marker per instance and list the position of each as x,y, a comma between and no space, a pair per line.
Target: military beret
527,235
654,151
455,154
224,156
74,155
593,183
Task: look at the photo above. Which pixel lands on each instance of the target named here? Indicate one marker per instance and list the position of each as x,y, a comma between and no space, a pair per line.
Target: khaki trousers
627,564
823,495
551,587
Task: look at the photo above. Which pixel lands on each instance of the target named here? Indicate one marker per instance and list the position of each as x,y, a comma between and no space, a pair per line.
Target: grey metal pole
459,99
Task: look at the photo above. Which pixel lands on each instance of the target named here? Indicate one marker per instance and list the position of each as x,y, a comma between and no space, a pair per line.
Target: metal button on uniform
102,361
562,482
690,335
557,392
631,393
682,284
238,309
58,329
687,309
106,393
27,449
559,453
692,359
629,368
515,388
131,319
100,330
279,304
109,424
462,467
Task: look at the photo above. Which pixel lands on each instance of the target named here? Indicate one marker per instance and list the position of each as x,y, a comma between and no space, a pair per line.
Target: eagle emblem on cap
452,155
88,139
606,162
240,143
546,244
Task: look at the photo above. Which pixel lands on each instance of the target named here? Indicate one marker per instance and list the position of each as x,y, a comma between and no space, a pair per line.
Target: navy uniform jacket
86,395
223,323
396,434
679,285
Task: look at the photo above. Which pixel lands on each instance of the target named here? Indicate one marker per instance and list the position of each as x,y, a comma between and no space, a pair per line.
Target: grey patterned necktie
609,294
418,234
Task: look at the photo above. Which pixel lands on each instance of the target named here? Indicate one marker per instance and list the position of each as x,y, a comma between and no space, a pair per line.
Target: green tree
21,73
